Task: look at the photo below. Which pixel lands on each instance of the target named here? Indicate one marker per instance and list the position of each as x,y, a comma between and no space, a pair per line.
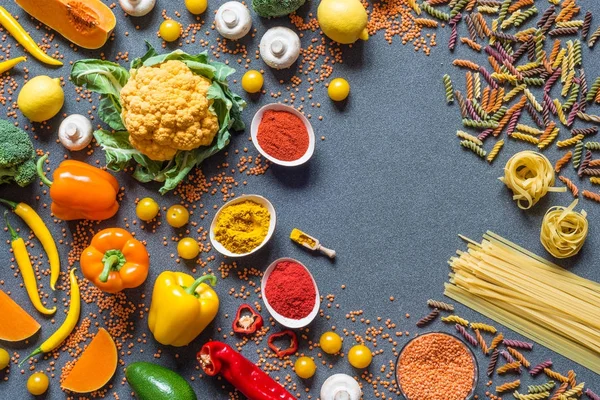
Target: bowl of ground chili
242,226
290,293
435,366
283,135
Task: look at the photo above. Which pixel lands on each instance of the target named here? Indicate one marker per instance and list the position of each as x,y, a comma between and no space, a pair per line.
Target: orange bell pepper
115,261
81,191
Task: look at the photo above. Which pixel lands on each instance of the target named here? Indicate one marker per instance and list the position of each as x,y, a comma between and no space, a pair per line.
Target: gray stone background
389,189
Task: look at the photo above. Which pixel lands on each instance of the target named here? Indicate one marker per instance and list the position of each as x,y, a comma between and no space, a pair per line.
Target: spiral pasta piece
440,305
555,375
497,340
495,151
570,185
456,320
546,387
519,357
512,366
530,176
508,386
448,88
483,327
564,230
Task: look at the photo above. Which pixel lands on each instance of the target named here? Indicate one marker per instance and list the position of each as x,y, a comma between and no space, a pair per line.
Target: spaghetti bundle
529,295
530,176
564,230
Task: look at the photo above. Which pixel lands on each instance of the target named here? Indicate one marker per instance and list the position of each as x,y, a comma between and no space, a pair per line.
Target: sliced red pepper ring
282,352
247,320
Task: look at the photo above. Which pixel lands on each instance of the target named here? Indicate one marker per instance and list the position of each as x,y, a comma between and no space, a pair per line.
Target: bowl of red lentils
283,135
437,365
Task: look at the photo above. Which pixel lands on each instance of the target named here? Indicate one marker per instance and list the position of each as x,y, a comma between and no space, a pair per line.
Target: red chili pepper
282,352
218,357
247,324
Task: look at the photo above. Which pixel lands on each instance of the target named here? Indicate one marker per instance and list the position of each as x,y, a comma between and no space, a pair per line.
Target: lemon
41,98
344,21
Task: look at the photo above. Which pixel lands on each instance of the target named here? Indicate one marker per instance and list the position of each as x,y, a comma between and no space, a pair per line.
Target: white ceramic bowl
289,322
281,107
252,197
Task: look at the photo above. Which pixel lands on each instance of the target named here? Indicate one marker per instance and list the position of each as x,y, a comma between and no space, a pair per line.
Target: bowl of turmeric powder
242,226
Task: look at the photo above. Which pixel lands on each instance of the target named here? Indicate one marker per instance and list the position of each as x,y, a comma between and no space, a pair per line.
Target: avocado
152,382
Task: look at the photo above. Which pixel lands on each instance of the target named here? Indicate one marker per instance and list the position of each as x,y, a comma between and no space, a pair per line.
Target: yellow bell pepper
181,307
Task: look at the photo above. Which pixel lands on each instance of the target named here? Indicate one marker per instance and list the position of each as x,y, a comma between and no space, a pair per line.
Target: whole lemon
344,21
41,98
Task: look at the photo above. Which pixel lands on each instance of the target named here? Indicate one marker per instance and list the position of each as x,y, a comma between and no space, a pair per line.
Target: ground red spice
290,290
282,135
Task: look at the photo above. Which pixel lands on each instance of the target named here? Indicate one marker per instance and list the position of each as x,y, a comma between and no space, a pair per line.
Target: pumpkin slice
95,367
16,324
87,23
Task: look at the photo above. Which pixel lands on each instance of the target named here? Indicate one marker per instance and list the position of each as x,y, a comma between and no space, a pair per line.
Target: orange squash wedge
16,324
86,23
95,367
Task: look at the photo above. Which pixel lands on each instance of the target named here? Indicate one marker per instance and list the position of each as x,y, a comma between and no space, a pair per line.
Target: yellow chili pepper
40,230
21,35
67,326
29,279
8,64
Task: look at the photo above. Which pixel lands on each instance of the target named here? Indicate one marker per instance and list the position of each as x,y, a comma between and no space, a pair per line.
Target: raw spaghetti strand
564,230
530,176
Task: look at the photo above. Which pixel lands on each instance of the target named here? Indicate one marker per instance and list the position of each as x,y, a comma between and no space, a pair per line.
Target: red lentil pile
436,366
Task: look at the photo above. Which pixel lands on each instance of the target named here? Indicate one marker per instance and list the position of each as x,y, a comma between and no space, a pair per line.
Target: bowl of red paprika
290,293
283,135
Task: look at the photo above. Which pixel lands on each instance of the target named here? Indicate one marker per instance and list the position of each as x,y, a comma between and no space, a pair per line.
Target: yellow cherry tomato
146,209
170,30
252,81
360,356
338,89
37,383
330,342
4,359
188,248
196,6
305,367
177,216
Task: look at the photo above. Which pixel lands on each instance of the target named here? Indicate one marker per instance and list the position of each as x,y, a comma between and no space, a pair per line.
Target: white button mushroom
75,132
233,20
280,47
340,387
137,8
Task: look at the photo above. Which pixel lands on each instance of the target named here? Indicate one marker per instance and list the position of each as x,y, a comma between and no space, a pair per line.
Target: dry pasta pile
530,176
531,69
564,230
531,296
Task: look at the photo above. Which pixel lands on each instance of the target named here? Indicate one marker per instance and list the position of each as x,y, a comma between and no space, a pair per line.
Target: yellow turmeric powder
301,238
242,227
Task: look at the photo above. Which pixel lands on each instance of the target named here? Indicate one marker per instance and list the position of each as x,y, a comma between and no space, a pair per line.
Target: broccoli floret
16,155
16,146
276,8
26,173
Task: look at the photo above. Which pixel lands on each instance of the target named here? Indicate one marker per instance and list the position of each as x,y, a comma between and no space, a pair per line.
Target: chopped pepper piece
282,352
247,320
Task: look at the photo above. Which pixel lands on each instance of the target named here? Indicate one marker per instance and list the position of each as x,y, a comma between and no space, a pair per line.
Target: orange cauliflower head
165,109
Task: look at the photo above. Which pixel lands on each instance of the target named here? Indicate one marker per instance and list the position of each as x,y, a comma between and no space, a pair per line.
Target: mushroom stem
230,17
72,131
342,394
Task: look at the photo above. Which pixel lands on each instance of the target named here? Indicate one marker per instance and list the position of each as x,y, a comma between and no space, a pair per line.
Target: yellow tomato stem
40,170
67,326
20,34
26,269
192,289
41,231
